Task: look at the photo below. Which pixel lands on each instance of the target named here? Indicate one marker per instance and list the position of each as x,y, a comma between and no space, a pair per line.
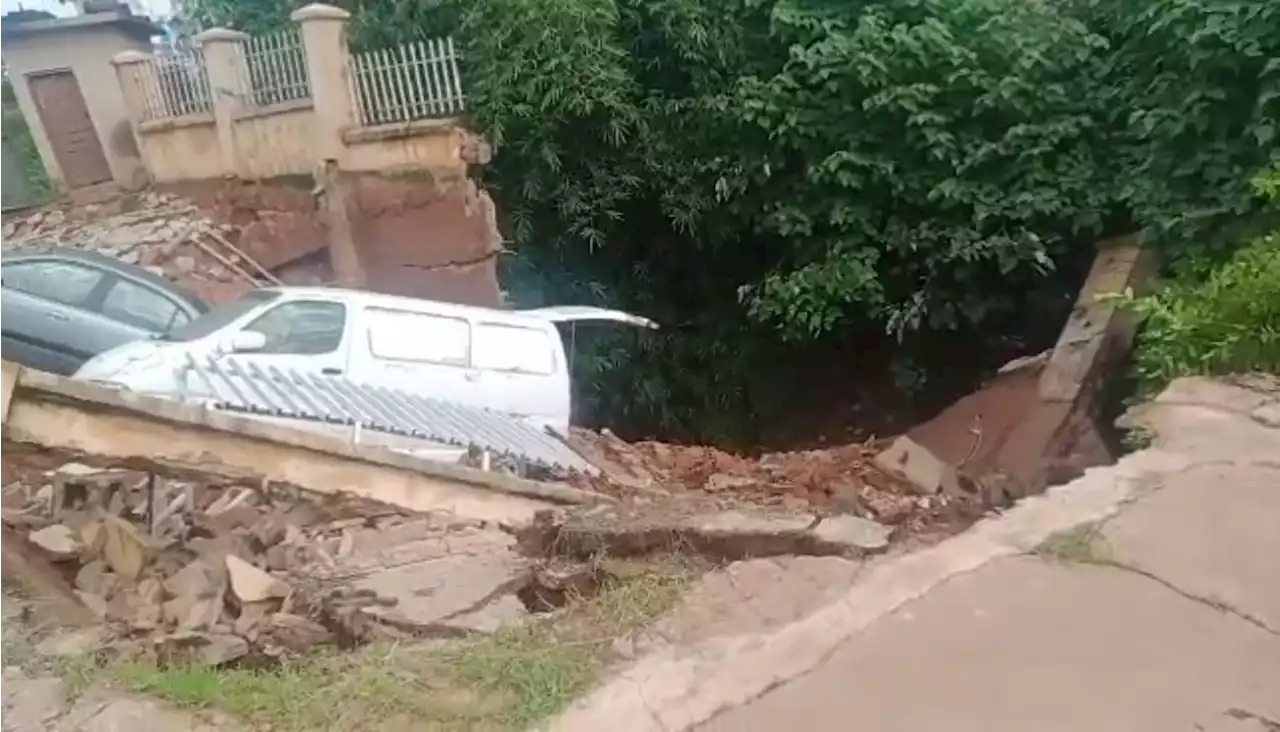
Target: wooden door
66,122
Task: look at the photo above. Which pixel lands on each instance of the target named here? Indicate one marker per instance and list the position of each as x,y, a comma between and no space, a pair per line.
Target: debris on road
160,232
839,480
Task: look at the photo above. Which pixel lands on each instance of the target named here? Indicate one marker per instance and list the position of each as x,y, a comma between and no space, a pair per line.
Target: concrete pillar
139,87
324,39
223,51
136,75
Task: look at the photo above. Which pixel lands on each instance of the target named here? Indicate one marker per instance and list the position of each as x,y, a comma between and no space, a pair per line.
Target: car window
64,282
135,304
401,335
513,348
221,316
301,327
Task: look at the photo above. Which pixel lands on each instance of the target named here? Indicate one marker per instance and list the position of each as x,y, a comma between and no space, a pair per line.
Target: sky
155,8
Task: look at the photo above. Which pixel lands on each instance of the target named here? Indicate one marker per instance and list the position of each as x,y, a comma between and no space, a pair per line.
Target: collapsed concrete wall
424,238
1042,422
83,418
414,234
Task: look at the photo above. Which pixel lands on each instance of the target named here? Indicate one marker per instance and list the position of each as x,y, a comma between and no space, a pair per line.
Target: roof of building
136,25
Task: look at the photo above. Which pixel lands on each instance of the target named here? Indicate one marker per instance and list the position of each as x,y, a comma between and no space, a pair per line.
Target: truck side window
402,335
503,347
302,327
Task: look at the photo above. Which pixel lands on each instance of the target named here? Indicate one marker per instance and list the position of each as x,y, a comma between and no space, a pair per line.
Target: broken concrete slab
502,612
194,580
441,593
914,463
58,540
124,547
223,648
734,534
840,533
95,577
82,417
251,584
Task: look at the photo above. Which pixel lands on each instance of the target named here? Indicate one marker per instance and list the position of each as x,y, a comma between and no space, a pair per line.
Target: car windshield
219,317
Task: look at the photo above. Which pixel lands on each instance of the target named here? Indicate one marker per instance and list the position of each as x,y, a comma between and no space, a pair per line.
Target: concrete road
1168,621
1022,645
1160,612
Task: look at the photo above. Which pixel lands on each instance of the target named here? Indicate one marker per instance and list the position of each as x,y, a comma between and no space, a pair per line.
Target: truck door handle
56,316
473,376
331,371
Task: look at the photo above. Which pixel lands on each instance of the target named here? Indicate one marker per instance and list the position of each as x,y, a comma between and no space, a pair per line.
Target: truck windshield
219,317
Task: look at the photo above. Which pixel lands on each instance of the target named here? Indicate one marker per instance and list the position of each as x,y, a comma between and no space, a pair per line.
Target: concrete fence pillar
324,39
223,51
136,75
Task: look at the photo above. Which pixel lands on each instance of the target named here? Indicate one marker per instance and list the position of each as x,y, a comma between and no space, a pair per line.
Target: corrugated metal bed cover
275,391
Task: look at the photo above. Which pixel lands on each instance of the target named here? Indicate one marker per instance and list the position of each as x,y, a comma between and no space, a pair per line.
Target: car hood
111,364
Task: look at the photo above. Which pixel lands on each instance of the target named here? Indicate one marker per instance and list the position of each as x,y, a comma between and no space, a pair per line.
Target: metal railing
275,68
410,82
174,84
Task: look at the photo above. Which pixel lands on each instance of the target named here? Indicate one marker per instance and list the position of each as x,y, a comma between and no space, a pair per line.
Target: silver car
61,307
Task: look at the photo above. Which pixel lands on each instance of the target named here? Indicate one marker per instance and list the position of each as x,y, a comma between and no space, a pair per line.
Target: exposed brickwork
416,235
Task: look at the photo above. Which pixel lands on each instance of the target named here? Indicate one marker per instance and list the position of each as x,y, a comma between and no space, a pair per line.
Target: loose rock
251,584
59,540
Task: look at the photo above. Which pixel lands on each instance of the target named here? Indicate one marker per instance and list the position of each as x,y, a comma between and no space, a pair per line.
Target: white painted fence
275,68
410,82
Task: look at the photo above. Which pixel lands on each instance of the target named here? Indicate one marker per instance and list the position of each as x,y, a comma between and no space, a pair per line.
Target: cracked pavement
1172,624
1176,627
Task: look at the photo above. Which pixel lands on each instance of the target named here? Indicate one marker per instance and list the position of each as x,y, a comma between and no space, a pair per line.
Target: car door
424,353
49,320
518,368
306,335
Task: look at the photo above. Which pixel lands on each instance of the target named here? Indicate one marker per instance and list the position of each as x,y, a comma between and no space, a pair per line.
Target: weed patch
1082,544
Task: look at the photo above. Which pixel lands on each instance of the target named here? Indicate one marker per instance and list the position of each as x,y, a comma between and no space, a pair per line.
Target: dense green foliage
1226,322
19,143
791,182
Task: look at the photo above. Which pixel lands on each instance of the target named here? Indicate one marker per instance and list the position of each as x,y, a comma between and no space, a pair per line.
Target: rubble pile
214,571
844,479
160,232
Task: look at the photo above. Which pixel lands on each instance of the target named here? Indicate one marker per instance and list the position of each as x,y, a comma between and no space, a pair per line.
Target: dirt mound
840,479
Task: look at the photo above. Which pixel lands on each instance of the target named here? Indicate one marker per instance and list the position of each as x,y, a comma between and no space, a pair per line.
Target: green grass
1082,544
505,681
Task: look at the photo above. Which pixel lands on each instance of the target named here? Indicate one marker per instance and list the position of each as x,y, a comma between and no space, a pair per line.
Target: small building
67,90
